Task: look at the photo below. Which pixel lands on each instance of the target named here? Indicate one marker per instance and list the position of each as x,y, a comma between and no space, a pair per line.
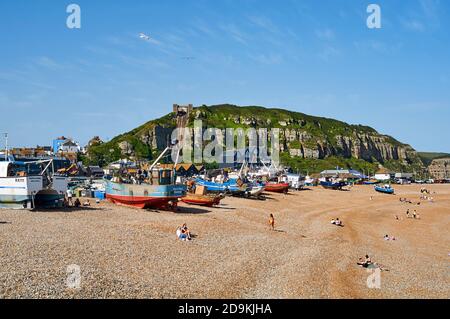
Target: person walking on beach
272,222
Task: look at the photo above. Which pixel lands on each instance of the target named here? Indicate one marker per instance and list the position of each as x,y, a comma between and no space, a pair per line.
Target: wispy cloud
49,63
377,46
263,23
268,59
325,34
329,52
413,25
234,32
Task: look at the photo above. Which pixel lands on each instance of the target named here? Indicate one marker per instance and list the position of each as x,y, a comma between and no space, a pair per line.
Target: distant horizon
131,60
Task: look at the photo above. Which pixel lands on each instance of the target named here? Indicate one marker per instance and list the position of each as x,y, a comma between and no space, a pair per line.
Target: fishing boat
30,185
159,190
276,187
370,182
386,189
335,185
230,186
208,200
255,190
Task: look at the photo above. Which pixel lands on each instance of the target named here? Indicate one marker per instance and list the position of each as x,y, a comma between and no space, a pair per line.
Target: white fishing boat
22,187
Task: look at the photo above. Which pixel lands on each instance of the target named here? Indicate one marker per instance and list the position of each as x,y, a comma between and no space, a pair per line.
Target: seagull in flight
144,36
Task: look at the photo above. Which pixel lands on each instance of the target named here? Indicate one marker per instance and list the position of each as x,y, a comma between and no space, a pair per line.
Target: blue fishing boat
230,186
333,185
158,190
386,189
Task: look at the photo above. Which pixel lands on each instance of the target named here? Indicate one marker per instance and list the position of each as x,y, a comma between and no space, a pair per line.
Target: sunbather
365,262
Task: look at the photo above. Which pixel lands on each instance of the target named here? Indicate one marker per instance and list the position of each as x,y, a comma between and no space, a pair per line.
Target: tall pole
6,146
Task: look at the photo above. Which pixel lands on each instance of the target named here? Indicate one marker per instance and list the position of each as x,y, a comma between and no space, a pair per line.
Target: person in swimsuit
272,222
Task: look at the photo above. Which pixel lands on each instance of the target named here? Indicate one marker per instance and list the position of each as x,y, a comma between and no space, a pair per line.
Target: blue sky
316,57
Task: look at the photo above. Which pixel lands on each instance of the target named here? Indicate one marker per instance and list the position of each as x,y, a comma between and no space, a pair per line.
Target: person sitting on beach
179,233
272,222
87,203
337,222
407,213
77,203
185,231
365,262
415,214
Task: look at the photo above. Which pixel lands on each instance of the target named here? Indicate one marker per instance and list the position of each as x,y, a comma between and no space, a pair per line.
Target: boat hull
201,200
334,186
144,195
277,188
389,191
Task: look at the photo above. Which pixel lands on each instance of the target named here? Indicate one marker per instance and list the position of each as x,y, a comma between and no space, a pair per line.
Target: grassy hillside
231,116
428,157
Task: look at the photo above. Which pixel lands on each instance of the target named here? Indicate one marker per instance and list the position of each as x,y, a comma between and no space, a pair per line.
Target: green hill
307,141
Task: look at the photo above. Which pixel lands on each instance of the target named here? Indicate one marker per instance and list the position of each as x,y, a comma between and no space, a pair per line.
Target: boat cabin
13,169
161,176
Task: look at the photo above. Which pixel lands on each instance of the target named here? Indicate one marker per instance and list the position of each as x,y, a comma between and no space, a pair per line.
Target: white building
382,177
69,146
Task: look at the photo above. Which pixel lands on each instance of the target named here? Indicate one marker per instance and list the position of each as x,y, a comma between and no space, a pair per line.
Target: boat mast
6,146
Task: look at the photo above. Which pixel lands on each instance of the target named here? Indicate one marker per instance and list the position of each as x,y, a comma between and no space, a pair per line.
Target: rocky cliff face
362,146
440,168
301,135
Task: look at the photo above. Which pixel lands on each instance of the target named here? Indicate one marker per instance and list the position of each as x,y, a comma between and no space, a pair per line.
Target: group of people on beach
70,202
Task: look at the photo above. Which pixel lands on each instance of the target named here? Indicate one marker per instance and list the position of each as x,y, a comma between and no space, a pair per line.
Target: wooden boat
208,200
277,187
384,189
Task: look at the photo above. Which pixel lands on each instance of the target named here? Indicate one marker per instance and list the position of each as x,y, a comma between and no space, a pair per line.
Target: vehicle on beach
295,181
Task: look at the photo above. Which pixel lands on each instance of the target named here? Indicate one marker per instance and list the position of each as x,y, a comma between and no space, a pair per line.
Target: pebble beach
129,253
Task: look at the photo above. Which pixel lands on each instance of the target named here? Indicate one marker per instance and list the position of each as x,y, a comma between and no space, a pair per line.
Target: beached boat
161,193
231,186
336,185
159,190
255,190
208,200
386,189
369,182
22,187
277,187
